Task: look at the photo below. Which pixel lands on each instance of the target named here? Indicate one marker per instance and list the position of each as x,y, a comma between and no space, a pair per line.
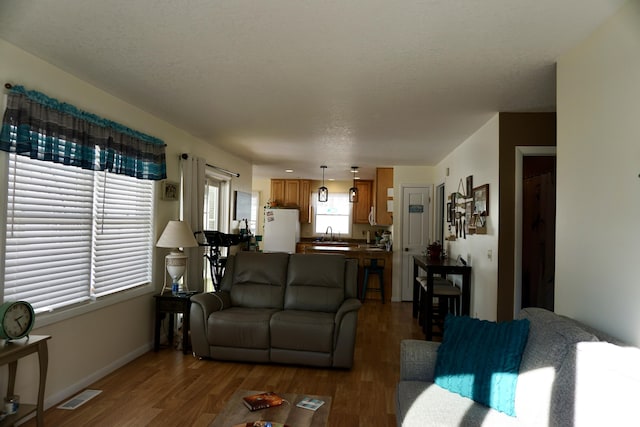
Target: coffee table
235,412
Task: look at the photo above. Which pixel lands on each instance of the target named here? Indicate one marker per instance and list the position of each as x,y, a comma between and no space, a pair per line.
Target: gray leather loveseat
282,308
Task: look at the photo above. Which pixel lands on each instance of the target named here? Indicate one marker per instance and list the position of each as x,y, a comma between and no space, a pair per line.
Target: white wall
85,347
477,156
598,208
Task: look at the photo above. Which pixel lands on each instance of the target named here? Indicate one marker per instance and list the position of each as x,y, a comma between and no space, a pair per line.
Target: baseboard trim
70,391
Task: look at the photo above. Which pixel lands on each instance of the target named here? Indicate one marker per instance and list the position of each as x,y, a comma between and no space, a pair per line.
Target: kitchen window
334,213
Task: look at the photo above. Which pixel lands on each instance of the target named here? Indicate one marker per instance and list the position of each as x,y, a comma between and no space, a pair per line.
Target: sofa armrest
212,301
350,304
344,339
418,360
202,305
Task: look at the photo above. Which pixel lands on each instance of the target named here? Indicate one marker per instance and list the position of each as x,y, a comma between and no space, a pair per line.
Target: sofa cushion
259,279
420,404
552,339
315,282
603,375
302,330
240,327
480,360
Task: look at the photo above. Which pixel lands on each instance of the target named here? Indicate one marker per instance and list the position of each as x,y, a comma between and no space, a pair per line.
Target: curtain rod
237,175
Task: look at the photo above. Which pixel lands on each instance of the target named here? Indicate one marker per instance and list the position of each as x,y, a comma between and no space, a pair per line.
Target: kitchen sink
331,243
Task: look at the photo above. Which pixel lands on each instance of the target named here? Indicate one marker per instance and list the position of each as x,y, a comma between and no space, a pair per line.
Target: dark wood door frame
515,130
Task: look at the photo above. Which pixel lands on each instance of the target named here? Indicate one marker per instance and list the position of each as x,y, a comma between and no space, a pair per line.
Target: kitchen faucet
327,231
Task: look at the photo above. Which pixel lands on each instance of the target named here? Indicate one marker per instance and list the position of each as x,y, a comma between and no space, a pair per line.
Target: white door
415,232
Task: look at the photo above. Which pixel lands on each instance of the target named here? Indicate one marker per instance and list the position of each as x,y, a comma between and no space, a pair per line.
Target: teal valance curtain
43,128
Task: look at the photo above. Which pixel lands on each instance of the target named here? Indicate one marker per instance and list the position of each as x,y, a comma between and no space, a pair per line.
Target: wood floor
168,388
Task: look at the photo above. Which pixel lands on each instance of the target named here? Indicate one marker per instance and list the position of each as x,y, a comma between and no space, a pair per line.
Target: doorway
538,231
439,214
535,226
215,216
416,205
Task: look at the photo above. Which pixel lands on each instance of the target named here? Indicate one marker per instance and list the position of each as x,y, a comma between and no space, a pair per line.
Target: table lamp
176,235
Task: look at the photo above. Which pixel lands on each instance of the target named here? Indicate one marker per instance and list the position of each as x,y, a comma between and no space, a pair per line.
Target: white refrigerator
281,230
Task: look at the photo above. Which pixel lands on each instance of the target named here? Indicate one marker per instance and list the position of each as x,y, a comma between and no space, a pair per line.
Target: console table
10,352
172,304
441,267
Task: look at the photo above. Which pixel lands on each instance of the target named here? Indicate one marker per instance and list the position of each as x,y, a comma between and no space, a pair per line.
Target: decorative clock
16,319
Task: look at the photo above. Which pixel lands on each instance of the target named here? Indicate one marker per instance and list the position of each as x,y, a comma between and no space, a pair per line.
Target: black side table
171,304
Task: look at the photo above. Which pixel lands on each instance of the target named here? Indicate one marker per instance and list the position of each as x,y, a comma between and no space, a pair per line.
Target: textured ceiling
297,84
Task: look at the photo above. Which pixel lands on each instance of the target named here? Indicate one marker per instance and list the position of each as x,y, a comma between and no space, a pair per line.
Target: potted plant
434,250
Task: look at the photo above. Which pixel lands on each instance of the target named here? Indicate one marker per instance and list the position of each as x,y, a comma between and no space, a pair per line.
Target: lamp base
175,266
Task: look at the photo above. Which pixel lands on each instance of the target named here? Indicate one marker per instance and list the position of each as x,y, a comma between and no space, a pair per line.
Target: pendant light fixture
323,192
353,191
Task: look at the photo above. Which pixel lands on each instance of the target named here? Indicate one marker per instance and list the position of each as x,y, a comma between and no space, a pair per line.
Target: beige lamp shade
177,234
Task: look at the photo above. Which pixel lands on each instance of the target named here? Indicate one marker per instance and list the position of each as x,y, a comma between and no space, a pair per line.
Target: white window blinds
48,248
71,235
123,240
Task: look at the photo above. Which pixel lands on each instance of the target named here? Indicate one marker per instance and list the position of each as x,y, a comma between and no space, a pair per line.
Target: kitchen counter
342,249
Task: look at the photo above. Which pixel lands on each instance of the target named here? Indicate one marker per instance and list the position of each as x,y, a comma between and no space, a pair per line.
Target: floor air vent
80,399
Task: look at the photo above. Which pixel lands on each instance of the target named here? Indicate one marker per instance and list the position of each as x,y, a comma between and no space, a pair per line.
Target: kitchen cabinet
305,194
277,192
292,193
285,192
384,181
362,208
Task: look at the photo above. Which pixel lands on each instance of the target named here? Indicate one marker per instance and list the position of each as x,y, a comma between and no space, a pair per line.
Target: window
255,208
216,201
212,205
334,213
74,234
216,212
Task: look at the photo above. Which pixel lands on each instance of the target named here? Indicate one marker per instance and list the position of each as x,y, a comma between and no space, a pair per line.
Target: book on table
310,403
262,400
261,424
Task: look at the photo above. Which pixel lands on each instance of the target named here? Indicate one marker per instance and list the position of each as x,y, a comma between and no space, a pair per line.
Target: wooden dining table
441,267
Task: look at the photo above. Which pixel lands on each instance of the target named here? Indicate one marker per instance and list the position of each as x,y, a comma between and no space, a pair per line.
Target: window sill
50,318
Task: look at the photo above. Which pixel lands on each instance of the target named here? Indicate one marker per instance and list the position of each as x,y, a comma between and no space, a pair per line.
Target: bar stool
448,298
374,266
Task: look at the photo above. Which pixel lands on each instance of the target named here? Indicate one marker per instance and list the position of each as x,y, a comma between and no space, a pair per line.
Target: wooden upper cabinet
305,195
384,181
292,193
277,192
285,192
362,208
